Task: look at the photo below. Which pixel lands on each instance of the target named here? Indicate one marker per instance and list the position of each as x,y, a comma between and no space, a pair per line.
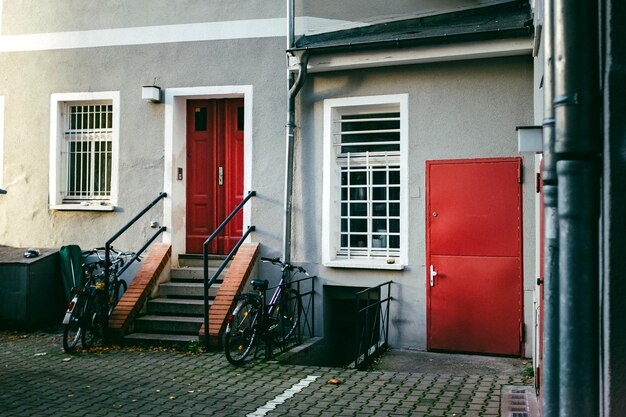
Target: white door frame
175,149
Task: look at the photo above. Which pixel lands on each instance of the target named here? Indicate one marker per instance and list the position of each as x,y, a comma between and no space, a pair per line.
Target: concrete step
152,323
197,260
160,338
176,306
186,290
192,273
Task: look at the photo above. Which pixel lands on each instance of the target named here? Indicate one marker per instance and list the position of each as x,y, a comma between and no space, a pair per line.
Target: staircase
175,314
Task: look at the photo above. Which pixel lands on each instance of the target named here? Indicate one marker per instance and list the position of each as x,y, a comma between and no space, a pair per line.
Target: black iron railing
205,258
108,244
372,323
305,288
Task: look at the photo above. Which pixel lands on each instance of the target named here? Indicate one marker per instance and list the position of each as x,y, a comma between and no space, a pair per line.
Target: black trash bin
31,290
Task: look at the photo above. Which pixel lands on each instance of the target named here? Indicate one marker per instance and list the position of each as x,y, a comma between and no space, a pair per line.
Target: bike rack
205,258
372,323
306,325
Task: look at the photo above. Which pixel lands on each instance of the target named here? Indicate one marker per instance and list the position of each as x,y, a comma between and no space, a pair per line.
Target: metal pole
578,285
289,146
614,200
576,86
550,367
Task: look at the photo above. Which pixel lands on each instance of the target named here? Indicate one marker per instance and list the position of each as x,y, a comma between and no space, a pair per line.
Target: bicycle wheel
241,332
72,330
117,290
91,324
287,316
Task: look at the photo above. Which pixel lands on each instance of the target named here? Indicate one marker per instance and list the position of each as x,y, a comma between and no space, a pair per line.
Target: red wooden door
474,246
214,172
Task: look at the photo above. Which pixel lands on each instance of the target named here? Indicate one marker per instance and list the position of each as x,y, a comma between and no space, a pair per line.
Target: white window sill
365,264
83,207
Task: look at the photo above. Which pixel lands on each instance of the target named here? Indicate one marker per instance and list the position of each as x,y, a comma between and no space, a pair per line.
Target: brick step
152,323
177,306
186,289
159,338
192,274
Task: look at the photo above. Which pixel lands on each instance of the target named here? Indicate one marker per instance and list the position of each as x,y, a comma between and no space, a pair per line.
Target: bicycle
86,318
253,320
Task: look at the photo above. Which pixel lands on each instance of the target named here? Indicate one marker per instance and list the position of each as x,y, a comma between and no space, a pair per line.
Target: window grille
368,158
88,151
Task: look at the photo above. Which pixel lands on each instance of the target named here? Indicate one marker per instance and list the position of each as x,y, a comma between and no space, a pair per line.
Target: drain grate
518,402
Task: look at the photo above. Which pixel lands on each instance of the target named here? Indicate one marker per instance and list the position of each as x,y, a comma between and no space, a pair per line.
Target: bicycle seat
259,284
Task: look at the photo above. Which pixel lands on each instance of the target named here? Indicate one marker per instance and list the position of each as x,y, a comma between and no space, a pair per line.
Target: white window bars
88,154
367,149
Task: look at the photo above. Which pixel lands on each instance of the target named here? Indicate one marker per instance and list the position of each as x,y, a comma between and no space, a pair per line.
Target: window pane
379,177
344,225
394,242
379,193
200,119
358,178
358,193
394,225
379,209
359,225
379,225
358,209
358,241
394,209
394,177
394,193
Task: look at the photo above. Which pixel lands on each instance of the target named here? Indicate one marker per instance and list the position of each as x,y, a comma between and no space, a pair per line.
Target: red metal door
214,172
474,247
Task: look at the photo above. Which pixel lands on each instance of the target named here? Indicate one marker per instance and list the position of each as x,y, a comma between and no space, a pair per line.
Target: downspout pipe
550,368
294,85
577,140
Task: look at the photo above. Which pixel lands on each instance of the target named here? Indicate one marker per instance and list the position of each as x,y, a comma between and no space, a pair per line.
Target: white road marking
270,405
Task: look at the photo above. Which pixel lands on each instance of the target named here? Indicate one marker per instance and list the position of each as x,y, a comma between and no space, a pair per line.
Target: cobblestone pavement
38,379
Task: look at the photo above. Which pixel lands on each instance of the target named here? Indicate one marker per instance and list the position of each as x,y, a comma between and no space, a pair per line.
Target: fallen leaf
67,359
334,381
172,397
41,354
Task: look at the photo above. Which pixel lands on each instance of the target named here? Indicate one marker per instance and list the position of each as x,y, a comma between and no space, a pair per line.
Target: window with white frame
365,183
84,150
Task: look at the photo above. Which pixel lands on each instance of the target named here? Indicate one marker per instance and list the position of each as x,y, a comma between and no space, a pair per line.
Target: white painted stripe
192,32
270,405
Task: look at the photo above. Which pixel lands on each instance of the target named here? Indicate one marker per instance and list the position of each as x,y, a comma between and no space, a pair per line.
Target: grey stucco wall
28,80
32,16
466,109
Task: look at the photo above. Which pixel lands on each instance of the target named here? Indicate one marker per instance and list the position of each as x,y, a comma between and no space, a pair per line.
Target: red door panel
474,245
474,308
214,172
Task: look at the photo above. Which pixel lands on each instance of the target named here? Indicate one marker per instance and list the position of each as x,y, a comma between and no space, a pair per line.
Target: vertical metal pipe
578,286
576,86
614,200
289,146
550,366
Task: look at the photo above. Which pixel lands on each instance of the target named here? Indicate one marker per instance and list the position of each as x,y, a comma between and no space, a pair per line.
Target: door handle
220,175
433,274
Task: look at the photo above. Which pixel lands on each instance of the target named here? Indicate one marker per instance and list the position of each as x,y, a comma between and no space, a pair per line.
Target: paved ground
38,379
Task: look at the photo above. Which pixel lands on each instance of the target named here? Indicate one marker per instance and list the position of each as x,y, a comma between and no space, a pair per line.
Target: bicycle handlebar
285,266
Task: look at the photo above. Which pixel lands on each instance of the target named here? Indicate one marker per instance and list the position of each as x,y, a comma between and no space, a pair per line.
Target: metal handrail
368,340
205,259
107,245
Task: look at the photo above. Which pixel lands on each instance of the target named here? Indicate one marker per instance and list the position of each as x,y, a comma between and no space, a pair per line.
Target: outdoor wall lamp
529,138
151,93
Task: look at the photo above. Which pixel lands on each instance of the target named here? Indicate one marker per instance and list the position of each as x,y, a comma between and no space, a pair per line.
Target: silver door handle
433,274
220,175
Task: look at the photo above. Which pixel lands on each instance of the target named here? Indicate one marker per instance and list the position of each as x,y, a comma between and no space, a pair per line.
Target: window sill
83,207
365,264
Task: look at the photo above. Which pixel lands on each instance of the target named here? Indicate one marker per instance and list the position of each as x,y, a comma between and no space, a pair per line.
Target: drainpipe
576,111
550,367
294,86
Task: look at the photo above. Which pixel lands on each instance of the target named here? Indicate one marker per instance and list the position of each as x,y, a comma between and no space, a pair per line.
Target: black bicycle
253,320
86,318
